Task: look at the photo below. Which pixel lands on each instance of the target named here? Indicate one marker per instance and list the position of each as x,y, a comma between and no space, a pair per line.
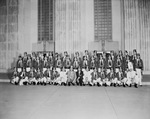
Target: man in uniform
15,77
32,77
87,77
62,79
71,77
23,78
93,63
67,63
19,65
79,75
133,58
25,60
139,69
94,77
76,64
109,63
59,64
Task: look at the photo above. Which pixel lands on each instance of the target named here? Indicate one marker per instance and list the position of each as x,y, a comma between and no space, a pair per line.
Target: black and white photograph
74,59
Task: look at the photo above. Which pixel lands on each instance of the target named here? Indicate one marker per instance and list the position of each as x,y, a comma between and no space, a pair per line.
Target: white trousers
61,79
33,80
124,81
115,80
98,81
23,80
15,80
87,79
139,76
107,82
44,79
48,79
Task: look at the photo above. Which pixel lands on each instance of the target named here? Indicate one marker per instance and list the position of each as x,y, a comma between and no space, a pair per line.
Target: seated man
15,77
44,78
32,77
124,80
49,75
100,77
62,79
79,75
119,79
116,77
87,77
23,78
109,77
71,77
55,75
130,74
39,76
94,77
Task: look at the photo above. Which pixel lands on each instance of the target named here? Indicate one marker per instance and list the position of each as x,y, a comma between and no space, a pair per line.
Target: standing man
133,58
139,68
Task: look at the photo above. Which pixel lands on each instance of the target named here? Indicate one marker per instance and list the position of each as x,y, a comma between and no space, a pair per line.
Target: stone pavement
59,102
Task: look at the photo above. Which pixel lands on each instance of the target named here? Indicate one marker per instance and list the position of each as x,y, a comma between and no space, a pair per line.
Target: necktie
67,63
76,64
58,63
118,63
109,63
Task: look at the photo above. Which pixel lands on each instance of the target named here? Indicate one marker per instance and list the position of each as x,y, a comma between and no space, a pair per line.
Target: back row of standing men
103,61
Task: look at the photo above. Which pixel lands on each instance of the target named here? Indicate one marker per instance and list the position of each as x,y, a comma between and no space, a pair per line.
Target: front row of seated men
82,77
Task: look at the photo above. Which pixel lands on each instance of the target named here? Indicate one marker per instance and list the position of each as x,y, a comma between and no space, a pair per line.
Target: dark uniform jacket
79,76
139,64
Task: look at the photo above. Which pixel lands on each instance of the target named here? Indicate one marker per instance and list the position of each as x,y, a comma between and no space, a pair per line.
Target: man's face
120,53
71,68
86,52
25,54
111,53
99,70
134,52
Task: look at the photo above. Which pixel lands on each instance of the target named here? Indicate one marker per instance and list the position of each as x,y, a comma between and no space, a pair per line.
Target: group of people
98,69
